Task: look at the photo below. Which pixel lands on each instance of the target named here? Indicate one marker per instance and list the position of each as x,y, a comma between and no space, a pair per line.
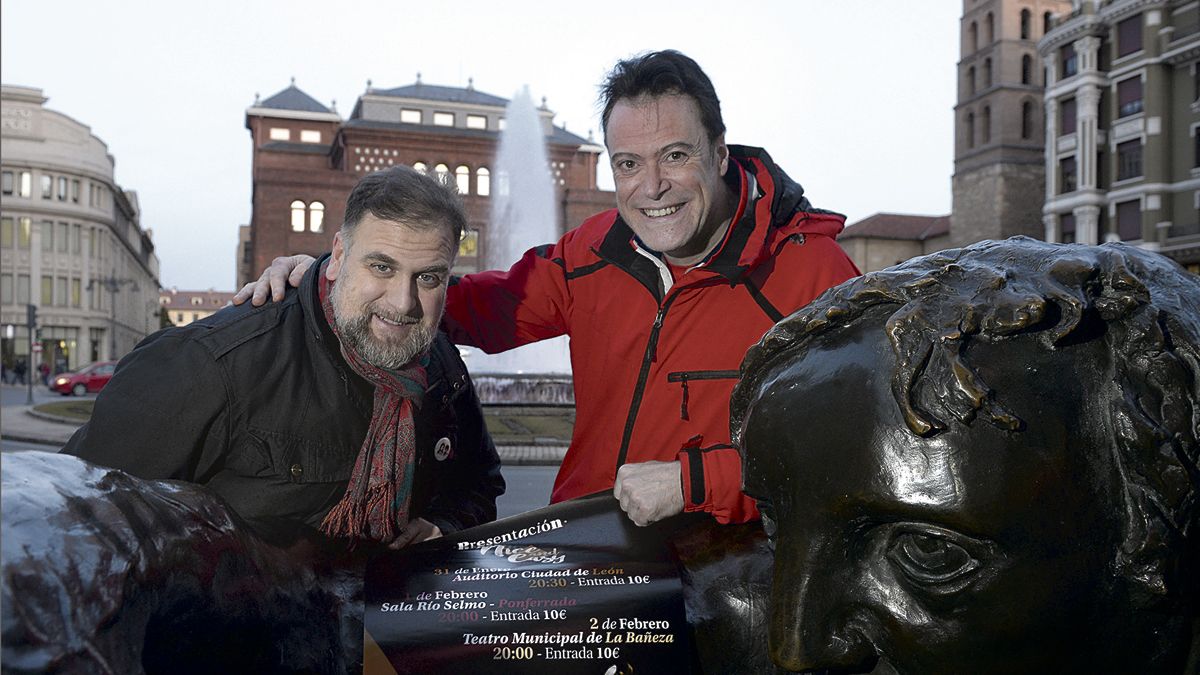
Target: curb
34,412
531,455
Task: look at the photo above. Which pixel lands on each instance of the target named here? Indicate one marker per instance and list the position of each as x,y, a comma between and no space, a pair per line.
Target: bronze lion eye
932,557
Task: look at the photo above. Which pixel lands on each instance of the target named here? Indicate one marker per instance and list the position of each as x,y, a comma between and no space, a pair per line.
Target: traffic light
31,316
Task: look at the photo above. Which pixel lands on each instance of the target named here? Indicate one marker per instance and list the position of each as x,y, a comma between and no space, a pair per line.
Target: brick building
307,159
998,186
999,140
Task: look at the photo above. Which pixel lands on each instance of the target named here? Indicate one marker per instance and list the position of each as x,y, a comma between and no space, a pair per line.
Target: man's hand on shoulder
649,491
284,271
418,530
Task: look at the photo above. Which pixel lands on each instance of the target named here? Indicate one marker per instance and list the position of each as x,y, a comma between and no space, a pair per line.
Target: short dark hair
1142,305
405,195
658,74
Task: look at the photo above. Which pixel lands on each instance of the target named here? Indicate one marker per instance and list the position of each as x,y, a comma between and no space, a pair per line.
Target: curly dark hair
1142,305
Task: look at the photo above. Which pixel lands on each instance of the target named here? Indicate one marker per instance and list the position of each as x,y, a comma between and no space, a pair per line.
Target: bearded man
339,413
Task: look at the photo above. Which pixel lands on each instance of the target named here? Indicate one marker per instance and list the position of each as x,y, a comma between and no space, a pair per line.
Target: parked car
90,378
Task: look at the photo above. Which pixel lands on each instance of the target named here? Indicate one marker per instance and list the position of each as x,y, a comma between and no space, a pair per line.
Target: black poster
571,588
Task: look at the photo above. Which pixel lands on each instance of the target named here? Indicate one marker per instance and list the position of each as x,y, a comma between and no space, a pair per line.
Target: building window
468,244
1066,223
1129,96
462,175
62,188
987,73
1066,56
1066,117
60,297
280,134
63,237
1129,159
6,286
1129,220
24,184
297,216
410,116
1196,148
1026,69
76,245
483,181
76,293
970,130
47,186
971,81
23,295
6,232
991,28
1066,171
442,173
10,184
47,291
316,217
443,119
1129,36
1047,22
476,122
1026,20
24,232
974,31
987,124
47,235
75,190
420,168
310,136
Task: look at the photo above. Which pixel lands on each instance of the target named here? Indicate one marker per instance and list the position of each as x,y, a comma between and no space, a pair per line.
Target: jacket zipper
640,389
683,376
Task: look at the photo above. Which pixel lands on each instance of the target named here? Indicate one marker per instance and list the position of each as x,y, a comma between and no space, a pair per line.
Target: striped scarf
377,500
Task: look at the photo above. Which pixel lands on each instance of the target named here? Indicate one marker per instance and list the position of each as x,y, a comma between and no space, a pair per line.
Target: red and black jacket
654,362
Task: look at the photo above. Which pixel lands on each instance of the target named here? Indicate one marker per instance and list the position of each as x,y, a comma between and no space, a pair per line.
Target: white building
70,242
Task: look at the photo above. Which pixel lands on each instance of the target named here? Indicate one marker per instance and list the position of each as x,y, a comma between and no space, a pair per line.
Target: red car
91,378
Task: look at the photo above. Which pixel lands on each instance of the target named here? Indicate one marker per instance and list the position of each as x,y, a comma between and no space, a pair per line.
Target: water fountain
523,215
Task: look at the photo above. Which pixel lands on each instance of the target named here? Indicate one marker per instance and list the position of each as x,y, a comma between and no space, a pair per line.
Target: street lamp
112,284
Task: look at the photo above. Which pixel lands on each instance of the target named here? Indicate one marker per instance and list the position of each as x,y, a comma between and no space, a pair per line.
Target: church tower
999,163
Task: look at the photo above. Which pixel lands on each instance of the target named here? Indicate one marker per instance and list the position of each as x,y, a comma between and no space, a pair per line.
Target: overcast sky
854,98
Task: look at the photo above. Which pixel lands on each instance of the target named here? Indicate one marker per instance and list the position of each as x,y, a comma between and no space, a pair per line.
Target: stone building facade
1123,113
184,307
885,239
71,243
307,159
999,176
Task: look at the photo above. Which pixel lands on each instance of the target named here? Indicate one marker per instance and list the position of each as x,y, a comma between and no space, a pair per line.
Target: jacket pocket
685,376
305,460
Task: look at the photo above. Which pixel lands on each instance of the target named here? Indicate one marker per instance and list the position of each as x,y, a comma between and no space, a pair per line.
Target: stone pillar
1087,225
1050,221
1087,111
1051,152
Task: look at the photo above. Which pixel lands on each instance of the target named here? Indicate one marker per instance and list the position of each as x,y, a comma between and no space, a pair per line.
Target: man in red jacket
709,246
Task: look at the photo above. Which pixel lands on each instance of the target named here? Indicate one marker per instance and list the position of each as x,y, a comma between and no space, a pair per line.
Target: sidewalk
24,424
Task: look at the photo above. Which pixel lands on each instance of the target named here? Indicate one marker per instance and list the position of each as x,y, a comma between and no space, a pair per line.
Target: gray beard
356,334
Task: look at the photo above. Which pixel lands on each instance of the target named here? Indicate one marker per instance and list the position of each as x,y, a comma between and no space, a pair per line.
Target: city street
15,395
